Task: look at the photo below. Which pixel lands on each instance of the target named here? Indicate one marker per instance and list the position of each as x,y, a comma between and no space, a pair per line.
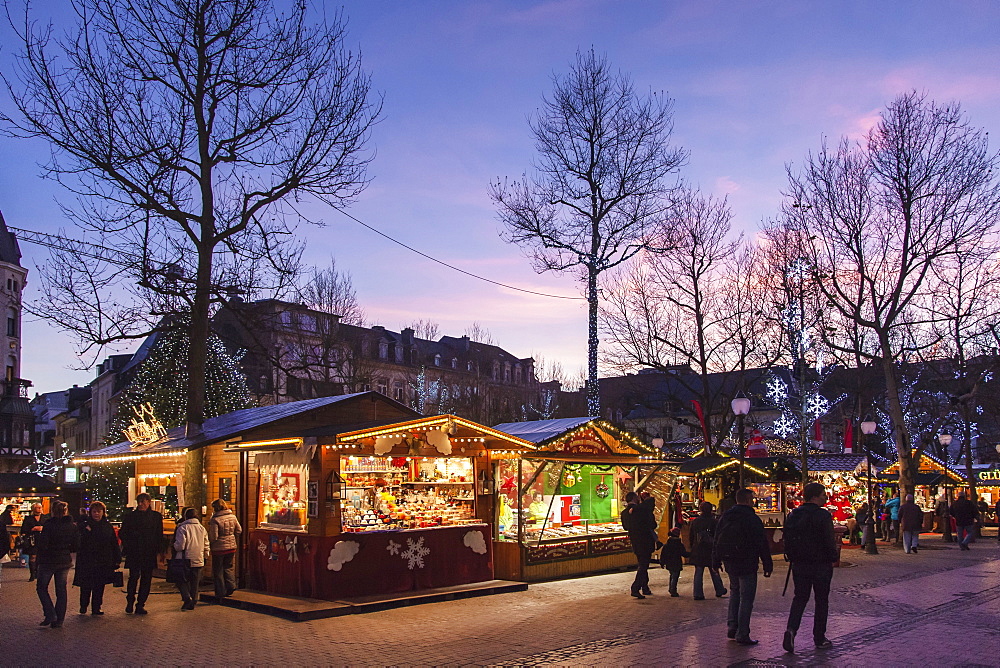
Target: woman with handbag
99,557
191,550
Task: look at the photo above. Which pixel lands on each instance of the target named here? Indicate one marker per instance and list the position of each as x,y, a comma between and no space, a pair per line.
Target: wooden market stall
934,481
558,505
401,507
21,490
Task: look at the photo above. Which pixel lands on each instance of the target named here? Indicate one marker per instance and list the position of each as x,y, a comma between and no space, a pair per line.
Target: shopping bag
5,558
177,570
117,579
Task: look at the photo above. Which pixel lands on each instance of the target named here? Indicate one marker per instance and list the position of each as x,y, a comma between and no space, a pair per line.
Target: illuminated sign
70,474
146,429
993,474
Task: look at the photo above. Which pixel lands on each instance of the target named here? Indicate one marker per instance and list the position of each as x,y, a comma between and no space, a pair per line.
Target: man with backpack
811,549
703,530
740,543
637,518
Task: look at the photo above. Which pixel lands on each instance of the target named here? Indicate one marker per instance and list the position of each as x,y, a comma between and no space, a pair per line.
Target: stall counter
369,563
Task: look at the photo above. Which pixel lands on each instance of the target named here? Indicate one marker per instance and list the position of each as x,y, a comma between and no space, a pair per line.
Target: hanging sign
993,474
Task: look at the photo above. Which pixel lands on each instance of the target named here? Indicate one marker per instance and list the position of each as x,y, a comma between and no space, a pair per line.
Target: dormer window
468,366
399,354
454,362
437,360
383,350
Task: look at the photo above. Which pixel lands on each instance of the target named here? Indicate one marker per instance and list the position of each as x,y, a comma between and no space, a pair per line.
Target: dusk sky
756,85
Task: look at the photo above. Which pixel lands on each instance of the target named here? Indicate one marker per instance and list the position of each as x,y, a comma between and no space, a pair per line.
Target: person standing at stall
965,514
191,544
141,535
99,557
911,521
57,541
224,532
892,509
637,518
30,528
811,549
740,545
703,530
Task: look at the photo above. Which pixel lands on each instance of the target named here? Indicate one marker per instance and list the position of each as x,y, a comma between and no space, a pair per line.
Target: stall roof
836,462
435,422
762,466
540,431
13,483
928,464
228,426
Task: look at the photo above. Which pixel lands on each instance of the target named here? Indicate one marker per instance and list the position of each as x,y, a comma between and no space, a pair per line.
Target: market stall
399,507
21,490
715,478
558,505
934,481
988,489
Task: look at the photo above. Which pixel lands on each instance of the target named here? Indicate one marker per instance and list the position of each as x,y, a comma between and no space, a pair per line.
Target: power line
451,266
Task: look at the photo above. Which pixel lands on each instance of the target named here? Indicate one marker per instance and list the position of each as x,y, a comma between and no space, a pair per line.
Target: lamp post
868,428
741,406
945,441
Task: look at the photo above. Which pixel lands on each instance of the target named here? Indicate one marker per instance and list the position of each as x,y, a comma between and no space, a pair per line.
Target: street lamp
868,428
945,441
741,406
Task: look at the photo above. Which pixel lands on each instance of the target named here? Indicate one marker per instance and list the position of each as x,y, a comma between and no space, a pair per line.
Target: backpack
706,537
730,542
801,542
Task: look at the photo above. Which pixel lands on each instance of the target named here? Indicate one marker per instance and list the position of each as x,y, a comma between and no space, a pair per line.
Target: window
397,391
468,366
383,350
506,372
517,374
382,387
454,363
399,354
437,360
11,322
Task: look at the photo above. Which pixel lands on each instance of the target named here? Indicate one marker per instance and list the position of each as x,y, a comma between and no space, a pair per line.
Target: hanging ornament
569,479
602,490
621,476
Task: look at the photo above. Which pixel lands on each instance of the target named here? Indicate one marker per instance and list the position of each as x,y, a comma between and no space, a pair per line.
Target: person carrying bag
190,554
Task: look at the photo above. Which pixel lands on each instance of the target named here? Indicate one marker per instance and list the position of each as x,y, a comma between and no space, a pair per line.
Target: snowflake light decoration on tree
785,426
47,464
817,405
777,390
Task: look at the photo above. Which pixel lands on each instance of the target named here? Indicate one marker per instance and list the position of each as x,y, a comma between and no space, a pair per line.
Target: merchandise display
394,493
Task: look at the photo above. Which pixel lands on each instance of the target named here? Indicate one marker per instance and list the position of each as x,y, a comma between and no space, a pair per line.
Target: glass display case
394,493
283,497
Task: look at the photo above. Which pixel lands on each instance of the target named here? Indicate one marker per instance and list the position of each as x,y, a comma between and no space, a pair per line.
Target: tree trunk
194,479
908,464
593,389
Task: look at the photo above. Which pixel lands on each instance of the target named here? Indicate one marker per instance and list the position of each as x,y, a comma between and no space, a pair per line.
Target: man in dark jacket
811,547
57,541
703,530
740,544
141,535
965,514
637,518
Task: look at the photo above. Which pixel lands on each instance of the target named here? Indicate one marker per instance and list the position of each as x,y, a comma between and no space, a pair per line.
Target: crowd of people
54,544
736,543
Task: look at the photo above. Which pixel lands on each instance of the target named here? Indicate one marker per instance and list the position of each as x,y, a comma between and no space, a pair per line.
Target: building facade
16,417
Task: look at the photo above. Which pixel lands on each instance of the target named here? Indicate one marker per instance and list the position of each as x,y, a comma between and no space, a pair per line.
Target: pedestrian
57,541
99,557
141,535
892,508
911,521
672,558
862,516
996,516
224,532
811,550
881,520
740,544
6,520
965,514
30,528
191,544
703,530
637,519
944,517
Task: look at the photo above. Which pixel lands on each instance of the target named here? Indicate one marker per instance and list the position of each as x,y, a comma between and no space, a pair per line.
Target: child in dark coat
672,558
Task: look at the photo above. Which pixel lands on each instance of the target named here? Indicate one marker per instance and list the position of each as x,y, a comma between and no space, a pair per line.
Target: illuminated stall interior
933,479
844,476
558,506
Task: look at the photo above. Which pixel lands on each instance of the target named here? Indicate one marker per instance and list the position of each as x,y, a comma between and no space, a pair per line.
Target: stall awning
837,462
588,437
928,464
777,469
16,484
452,428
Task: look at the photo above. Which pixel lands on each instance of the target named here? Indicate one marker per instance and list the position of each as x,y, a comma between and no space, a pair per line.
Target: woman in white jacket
191,543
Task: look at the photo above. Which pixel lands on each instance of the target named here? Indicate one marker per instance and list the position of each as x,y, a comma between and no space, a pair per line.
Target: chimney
407,334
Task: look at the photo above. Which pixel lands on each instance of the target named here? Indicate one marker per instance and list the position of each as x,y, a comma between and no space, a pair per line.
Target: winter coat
29,538
99,555
638,520
911,517
740,542
57,541
703,529
224,531
141,535
862,517
964,512
892,507
673,553
191,542
809,536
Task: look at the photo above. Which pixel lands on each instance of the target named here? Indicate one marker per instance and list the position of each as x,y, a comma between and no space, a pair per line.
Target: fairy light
117,459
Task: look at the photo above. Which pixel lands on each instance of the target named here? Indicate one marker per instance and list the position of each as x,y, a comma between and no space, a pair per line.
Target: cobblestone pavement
940,607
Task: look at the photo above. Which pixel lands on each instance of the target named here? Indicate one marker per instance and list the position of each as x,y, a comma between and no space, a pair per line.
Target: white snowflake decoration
785,426
415,553
817,405
393,547
979,410
777,390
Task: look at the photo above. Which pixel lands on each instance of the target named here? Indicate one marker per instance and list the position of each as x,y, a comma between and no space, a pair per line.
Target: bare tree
599,181
882,213
691,305
188,130
480,334
426,329
332,291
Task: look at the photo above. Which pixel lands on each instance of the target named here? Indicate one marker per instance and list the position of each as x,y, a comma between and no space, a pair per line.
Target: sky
756,86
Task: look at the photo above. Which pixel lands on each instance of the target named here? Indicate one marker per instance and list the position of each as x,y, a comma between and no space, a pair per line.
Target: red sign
582,447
